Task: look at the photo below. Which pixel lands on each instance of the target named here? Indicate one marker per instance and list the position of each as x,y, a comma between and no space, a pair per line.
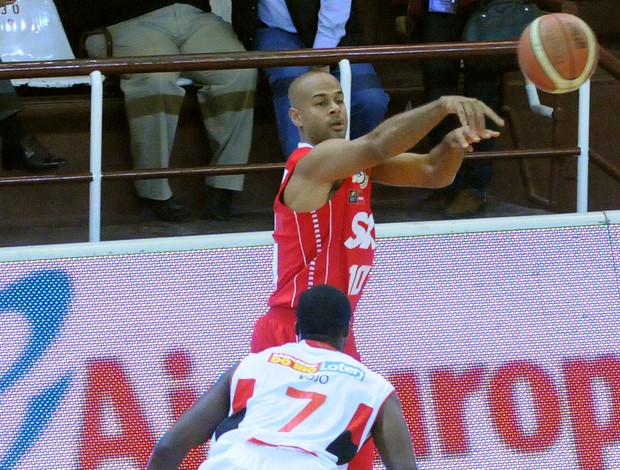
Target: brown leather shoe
466,204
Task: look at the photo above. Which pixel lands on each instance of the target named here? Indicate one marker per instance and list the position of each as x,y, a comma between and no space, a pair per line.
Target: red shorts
277,327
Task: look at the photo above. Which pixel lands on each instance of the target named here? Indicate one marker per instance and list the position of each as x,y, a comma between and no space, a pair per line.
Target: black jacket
305,16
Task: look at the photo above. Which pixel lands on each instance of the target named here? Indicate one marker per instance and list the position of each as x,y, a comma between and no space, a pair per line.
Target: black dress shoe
29,155
169,210
218,204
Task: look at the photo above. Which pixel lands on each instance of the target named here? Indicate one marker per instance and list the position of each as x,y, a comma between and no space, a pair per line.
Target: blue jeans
368,99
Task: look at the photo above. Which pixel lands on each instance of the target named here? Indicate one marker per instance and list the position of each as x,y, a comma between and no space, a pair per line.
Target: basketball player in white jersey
302,406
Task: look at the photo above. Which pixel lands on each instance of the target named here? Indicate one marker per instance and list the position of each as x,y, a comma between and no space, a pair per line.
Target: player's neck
315,343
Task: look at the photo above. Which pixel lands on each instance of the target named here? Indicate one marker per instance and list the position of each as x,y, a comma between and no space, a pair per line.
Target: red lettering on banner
591,436
178,366
107,386
546,406
450,390
407,389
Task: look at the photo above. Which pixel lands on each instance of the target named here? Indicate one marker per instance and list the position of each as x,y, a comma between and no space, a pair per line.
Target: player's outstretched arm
392,438
435,169
194,427
337,159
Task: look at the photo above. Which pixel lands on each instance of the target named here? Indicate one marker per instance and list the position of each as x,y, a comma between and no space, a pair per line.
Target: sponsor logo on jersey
361,178
342,368
362,226
294,363
298,365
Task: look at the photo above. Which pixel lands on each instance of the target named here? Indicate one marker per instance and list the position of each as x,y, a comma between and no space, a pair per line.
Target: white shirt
333,16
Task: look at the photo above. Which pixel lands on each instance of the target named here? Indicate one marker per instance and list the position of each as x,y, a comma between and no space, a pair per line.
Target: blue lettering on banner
343,368
43,298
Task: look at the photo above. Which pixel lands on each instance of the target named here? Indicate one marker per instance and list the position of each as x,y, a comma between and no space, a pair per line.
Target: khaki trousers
153,100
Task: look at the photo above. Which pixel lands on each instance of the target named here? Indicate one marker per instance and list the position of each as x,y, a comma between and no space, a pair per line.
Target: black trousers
9,101
441,77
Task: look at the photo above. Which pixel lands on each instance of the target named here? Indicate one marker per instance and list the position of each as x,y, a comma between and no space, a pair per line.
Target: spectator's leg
226,97
152,100
226,100
20,149
440,76
9,101
485,86
10,127
280,78
474,177
369,101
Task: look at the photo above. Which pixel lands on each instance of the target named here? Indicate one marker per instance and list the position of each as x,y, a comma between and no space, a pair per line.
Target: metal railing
238,60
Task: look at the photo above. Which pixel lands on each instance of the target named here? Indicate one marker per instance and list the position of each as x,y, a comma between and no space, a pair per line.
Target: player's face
322,112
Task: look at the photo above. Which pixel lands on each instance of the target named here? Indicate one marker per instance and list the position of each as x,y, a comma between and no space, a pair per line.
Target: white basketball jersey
303,396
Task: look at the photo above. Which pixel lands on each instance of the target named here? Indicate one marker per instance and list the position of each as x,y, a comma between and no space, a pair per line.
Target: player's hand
4,3
463,137
472,113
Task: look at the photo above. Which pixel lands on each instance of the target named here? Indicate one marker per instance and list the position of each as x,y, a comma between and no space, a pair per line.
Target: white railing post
534,100
583,141
345,81
96,130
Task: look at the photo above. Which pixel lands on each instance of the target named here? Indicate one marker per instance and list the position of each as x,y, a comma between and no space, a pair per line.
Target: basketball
557,52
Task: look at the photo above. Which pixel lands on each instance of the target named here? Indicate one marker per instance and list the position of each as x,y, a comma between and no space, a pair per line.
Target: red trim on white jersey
309,398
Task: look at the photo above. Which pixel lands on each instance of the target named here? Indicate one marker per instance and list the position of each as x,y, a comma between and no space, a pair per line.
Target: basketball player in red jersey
324,228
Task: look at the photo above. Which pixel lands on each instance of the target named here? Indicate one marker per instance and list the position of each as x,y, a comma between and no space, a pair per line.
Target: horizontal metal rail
254,59
251,168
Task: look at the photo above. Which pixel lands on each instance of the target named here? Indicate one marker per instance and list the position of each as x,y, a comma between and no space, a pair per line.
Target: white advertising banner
503,346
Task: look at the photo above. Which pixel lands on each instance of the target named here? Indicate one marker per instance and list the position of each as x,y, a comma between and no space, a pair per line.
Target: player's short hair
323,310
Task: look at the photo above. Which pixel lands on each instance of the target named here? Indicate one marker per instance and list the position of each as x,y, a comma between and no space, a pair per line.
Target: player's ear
295,117
297,331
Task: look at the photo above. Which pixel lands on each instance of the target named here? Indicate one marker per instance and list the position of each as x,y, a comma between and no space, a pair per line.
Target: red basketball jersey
333,245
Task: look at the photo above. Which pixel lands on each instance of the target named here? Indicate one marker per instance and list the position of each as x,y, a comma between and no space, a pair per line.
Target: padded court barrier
501,337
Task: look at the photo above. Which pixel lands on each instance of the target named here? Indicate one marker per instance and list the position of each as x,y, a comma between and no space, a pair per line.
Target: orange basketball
557,52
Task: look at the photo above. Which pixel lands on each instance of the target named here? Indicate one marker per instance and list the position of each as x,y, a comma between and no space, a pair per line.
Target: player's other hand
463,137
4,3
472,114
